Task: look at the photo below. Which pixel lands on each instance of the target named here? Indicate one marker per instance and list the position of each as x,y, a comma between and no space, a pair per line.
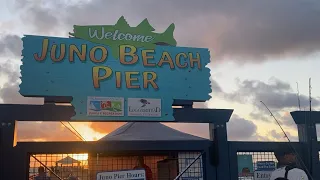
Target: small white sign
144,107
262,175
105,106
122,175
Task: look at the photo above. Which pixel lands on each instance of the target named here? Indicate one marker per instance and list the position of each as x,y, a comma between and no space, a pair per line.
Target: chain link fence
85,166
254,157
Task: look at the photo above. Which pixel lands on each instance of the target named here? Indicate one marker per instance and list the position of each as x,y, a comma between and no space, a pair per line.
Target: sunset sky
259,50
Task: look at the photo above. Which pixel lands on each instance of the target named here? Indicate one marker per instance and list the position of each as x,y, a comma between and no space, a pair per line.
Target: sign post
115,72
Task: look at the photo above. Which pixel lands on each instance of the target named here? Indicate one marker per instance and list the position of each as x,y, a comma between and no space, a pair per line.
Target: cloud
275,94
282,115
44,131
239,31
9,70
56,131
216,88
9,91
241,129
105,127
197,129
280,136
245,130
258,115
9,95
202,105
10,45
287,120
41,16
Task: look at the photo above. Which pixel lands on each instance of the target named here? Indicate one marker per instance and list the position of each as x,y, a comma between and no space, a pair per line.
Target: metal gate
85,166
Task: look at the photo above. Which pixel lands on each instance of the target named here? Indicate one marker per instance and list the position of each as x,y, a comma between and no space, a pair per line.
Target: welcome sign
115,72
122,33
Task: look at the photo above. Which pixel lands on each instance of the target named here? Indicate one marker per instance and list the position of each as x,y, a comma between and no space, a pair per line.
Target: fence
259,151
256,156
85,166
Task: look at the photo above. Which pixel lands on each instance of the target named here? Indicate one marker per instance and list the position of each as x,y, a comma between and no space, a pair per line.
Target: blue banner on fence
266,165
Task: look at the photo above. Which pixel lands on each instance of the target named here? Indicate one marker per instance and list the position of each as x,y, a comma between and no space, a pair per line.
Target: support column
218,134
12,160
210,172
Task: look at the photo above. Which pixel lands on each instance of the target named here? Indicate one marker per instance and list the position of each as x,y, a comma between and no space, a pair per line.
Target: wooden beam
51,112
68,99
112,146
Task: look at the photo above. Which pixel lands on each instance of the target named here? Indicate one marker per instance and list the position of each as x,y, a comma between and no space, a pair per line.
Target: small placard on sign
144,107
105,106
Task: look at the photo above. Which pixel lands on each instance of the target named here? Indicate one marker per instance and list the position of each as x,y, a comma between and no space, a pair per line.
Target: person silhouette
142,165
287,166
42,174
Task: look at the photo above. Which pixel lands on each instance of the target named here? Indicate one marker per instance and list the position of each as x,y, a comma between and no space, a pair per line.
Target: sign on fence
190,178
115,72
262,175
122,175
266,166
245,165
264,170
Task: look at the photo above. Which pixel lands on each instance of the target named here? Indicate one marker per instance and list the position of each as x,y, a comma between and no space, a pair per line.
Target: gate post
218,134
210,172
12,161
307,132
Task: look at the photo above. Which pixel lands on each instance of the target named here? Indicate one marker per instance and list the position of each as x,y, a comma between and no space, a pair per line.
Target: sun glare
87,132
80,157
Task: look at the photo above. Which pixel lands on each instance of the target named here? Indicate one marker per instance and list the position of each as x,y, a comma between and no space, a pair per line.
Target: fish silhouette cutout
121,33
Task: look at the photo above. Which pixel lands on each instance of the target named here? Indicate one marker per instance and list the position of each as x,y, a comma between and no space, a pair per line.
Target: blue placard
139,85
266,165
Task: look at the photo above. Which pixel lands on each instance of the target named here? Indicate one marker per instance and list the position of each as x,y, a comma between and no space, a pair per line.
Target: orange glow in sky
86,131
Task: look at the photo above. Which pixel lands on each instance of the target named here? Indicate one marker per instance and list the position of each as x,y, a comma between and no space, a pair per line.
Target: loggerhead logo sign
144,107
